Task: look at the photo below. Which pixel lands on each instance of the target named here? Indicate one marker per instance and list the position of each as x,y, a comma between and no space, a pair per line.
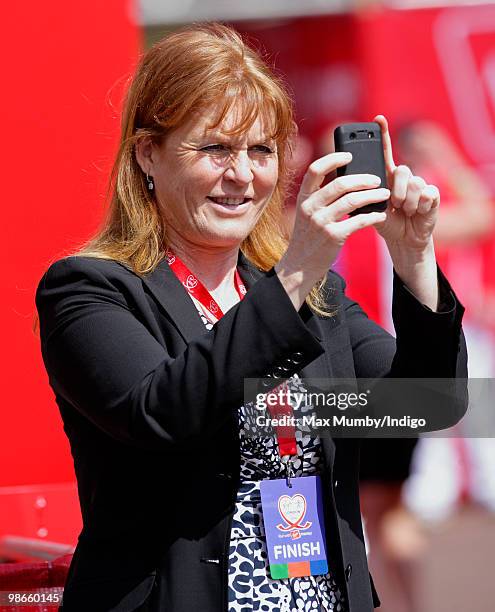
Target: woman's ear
144,154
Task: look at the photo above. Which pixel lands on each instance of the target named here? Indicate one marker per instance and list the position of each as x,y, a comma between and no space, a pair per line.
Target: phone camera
370,134
352,135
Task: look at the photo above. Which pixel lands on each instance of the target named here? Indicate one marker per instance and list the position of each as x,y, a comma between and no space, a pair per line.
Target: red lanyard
285,433
196,288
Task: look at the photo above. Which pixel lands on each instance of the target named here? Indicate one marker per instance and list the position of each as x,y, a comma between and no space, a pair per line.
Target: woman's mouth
229,202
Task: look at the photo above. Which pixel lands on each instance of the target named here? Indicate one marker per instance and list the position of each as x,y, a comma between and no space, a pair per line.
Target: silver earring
151,184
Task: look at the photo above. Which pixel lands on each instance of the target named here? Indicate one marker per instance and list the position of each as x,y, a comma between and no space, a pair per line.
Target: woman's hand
320,229
413,207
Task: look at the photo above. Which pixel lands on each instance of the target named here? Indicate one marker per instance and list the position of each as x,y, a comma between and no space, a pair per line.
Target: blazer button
348,572
210,561
267,383
297,357
280,371
336,484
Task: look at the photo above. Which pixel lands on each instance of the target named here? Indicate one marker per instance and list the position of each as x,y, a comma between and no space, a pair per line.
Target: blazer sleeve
428,345
103,361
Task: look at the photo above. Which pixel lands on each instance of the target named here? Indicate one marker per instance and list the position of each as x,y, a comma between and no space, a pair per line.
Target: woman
188,289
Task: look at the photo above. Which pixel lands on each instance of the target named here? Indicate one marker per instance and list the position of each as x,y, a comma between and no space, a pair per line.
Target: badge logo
293,510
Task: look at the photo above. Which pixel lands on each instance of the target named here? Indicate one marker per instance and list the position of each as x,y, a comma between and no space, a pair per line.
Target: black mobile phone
364,141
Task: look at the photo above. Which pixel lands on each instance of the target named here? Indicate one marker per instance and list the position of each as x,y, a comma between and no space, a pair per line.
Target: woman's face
212,187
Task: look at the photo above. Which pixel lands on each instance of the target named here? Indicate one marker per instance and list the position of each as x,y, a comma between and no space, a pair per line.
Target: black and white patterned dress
250,587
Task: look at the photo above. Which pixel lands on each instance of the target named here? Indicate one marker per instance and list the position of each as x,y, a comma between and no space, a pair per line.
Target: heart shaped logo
292,510
190,282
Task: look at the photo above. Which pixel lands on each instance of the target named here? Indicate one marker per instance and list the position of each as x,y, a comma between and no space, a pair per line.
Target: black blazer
148,400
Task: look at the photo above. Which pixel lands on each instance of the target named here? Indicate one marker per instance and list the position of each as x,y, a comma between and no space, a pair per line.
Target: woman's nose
240,169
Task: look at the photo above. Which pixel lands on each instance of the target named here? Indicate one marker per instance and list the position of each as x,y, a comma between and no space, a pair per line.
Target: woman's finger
387,146
415,188
399,186
343,229
317,170
339,187
349,203
429,199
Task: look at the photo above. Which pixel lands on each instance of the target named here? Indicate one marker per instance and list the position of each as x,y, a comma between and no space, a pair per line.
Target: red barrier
33,582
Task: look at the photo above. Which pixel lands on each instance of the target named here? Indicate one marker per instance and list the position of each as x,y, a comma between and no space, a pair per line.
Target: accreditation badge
294,526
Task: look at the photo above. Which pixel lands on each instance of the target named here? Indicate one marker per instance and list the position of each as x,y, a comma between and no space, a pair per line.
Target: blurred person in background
449,472
467,219
188,289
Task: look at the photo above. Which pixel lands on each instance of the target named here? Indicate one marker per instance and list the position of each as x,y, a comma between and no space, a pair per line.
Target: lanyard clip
289,469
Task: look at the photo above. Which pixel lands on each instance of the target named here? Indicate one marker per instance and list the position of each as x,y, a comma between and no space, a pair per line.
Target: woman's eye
215,148
262,149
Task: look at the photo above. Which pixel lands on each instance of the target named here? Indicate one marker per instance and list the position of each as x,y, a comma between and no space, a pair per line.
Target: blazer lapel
319,368
173,297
